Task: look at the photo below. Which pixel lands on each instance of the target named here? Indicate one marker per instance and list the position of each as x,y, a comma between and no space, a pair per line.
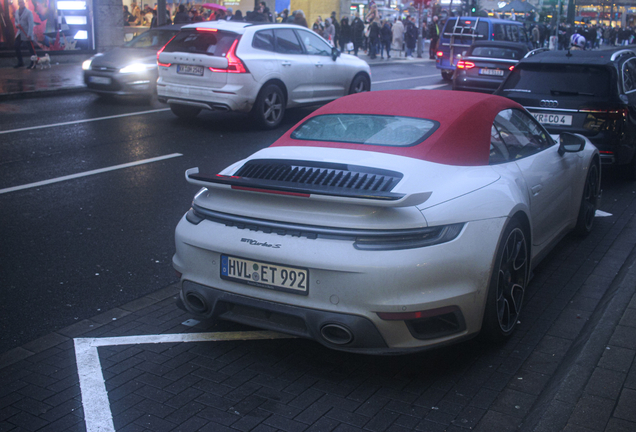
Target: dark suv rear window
497,52
559,80
213,43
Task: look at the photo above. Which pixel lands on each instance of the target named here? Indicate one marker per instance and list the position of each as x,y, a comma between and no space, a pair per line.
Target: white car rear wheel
507,284
269,109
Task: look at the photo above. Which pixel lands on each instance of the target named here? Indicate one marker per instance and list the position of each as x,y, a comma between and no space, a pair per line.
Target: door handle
536,189
286,63
318,64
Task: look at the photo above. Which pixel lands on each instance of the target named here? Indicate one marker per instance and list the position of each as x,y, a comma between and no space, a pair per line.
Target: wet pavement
146,366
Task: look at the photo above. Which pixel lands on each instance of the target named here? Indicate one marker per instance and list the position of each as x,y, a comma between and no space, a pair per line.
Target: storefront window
62,25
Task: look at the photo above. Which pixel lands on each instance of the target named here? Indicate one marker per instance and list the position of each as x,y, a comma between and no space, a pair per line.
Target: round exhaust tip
336,334
196,303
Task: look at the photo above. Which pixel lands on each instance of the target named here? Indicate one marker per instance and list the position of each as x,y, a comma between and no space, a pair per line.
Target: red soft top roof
463,137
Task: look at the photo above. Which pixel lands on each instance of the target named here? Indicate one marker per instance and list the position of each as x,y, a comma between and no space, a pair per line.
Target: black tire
447,75
589,200
507,284
184,111
269,109
360,84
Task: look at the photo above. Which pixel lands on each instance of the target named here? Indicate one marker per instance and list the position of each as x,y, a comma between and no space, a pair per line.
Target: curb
556,404
42,93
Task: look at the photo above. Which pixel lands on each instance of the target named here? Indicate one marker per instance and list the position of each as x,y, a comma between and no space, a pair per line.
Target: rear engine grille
320,176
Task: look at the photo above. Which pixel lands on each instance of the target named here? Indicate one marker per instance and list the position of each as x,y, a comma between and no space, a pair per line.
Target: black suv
592,93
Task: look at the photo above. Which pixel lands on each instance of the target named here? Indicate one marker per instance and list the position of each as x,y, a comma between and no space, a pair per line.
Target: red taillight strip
275,192
404,316
206,29
234,64
161,50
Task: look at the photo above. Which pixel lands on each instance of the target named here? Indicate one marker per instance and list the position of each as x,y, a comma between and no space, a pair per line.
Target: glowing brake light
203,29
234,64
463,64
161,50
511,68
439,54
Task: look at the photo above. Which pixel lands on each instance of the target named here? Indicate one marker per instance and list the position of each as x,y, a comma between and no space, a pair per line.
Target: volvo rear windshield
211,42
370,129
559,80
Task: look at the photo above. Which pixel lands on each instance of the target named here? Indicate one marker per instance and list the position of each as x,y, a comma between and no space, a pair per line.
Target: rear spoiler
367,198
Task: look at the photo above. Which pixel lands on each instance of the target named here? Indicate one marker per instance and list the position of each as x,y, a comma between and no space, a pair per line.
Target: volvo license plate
494,72
553,119
190,70
265,275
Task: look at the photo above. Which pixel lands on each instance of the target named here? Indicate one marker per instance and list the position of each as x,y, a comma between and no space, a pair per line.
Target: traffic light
473,6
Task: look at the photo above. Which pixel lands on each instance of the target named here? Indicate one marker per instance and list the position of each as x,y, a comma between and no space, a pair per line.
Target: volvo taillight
234,64
161,50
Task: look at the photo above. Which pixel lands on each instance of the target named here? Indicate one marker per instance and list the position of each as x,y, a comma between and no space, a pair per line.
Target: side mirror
334,53
570,143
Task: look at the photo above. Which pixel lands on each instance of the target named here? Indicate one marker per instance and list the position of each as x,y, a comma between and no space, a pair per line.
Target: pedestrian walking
410,38
398,36
24,33
299,18
329,32
433,35
357,29
345,36
386,37
374,39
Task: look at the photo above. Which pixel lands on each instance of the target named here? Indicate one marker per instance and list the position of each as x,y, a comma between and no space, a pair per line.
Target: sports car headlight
137,67
419,238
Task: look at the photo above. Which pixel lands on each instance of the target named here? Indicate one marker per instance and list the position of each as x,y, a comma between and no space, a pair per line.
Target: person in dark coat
357,33
182,16
410,38
345,34
386,37
374,39
334,21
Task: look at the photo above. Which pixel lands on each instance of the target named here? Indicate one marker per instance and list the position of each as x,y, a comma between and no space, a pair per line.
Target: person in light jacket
24,33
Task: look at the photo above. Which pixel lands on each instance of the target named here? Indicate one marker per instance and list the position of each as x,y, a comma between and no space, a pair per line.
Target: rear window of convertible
213,43
366,129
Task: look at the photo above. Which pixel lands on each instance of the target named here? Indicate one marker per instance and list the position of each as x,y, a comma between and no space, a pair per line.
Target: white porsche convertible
387,222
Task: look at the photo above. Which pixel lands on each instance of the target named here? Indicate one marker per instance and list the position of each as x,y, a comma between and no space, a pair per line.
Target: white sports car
386,222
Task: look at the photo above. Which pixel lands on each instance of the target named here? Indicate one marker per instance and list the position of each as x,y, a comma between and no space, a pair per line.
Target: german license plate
265,275
190,70
553,119
99,80
495,72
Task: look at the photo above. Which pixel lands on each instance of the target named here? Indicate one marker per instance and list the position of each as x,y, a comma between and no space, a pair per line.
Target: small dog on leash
43,62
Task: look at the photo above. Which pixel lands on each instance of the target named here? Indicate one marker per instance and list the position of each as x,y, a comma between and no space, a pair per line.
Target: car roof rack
621,53
535,52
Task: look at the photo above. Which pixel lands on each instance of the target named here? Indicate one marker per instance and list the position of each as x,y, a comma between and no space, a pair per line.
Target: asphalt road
81,233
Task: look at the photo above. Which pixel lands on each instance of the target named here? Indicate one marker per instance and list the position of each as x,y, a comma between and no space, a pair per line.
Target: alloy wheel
511,280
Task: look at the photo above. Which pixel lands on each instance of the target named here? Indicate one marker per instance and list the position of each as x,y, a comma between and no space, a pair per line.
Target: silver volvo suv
259,69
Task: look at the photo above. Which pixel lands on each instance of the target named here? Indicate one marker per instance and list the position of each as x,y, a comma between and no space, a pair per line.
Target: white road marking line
405,79
83,121
429,87
88,173
97,414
